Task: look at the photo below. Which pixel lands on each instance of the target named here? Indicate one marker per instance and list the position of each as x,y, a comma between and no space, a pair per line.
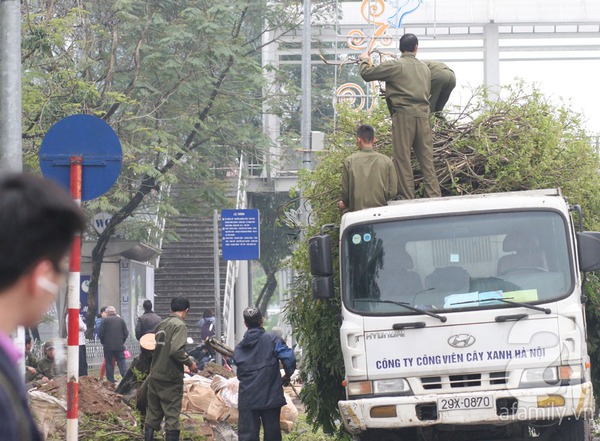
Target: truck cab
464,318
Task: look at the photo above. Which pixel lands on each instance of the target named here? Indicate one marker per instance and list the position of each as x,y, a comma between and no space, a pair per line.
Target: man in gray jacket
113,333
147,322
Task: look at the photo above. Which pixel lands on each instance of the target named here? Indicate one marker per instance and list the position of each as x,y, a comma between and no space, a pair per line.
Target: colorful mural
403,8
381,16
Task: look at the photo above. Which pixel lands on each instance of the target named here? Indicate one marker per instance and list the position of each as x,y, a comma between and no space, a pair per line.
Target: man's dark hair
252,317
38,220
147,305
366,133
208,313
179,304
408,43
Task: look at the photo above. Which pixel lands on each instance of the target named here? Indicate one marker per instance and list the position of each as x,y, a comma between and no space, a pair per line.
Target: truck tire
573,429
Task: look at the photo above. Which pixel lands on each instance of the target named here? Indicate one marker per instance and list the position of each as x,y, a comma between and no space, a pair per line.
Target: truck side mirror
322,288
588,246
319,255
321,266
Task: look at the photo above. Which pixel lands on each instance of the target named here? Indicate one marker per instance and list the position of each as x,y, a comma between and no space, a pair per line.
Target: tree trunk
267,292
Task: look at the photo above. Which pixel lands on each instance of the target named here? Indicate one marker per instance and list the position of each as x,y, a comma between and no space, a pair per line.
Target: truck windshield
456,262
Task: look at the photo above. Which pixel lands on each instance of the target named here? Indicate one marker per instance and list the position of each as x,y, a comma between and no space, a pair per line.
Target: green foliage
181,83
592,308
105,427
519,141
302,431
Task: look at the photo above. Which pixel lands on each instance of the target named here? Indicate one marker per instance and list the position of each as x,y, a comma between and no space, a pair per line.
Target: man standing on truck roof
368,177
443,82
407,86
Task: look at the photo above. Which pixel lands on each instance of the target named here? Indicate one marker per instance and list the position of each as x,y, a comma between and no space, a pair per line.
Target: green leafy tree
519,141
180,81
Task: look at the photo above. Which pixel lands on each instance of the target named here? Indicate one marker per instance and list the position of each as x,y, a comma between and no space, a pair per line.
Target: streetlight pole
11,157
306,102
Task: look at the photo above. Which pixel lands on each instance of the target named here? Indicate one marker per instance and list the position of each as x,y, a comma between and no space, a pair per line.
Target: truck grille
464,380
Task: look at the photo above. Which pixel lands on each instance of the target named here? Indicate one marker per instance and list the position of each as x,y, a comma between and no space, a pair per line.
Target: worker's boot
172,435
148,433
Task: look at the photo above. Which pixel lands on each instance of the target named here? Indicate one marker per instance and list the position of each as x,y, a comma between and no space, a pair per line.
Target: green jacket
46,368
170,356
436,68
368,180
407,83
31,361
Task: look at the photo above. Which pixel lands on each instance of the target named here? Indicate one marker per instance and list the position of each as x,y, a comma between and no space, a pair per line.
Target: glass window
456,262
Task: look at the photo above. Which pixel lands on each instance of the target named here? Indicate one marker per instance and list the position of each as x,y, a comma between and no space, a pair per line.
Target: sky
552,43
575,81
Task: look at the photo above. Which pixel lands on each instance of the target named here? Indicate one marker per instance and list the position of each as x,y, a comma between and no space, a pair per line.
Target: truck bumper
505,407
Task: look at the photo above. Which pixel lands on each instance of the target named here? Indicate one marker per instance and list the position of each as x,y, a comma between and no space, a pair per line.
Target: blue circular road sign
91,138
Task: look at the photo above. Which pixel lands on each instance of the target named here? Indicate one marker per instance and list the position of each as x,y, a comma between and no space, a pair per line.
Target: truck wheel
573,429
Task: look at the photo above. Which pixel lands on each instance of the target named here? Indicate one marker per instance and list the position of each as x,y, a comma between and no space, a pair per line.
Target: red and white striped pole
73,306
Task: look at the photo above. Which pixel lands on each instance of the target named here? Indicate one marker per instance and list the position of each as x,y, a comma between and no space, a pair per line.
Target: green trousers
164,401
441,88
409,131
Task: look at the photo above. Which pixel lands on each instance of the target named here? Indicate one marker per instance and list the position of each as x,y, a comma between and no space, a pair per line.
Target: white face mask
48,285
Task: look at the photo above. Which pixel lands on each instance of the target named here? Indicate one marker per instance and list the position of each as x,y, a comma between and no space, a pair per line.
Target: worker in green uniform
443,82
46,367
368,177
165,381
31,362
407,86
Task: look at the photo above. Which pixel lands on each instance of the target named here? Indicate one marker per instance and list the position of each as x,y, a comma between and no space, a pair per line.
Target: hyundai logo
461,340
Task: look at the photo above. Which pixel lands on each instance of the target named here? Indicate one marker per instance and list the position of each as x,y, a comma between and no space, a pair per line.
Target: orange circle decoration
352,94
370,11
356,39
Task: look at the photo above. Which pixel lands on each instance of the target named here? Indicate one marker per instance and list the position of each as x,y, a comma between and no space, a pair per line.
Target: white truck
463,318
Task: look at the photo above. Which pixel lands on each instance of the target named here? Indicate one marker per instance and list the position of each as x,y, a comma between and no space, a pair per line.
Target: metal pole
217,275
73,305
306,86
306,103
11,157
491,57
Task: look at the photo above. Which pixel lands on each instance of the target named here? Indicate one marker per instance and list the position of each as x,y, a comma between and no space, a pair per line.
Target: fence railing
233,266
93,349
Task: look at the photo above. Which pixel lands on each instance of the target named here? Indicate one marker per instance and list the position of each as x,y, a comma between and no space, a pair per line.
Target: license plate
465,403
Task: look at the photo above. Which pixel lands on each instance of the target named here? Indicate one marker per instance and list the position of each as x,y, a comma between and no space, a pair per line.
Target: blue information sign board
240,234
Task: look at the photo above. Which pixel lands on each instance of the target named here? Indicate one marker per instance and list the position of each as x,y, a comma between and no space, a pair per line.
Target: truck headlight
360,388
568,373
539,377
379,387
393,386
